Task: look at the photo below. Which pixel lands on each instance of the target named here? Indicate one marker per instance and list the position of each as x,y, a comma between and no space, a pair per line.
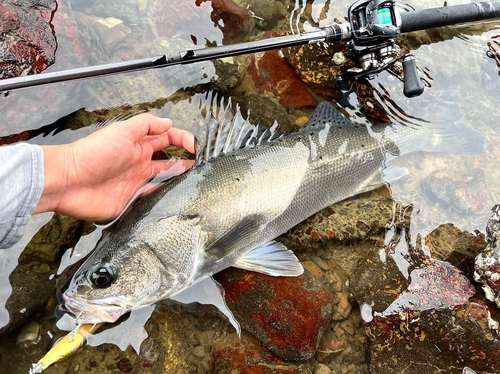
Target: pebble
199,351
347,326
338,58
29,334
205,366
313,269
206,337
322,264
301,121
343,308
322,369
43,268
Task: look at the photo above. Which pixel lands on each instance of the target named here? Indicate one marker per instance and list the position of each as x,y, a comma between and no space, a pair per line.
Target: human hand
97,176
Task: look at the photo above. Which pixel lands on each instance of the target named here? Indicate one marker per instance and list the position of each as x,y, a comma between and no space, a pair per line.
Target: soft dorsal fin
324,116
231,132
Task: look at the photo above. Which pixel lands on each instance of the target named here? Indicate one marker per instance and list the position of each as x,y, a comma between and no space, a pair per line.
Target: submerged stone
166,350
352,219
434,341
465,193
287,314
396,278
487,264
234,21
248,356
272,74
27,38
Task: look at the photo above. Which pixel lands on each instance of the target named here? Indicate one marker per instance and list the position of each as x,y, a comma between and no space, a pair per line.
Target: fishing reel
375,24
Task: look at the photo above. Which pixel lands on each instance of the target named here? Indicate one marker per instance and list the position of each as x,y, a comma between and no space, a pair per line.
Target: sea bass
248,186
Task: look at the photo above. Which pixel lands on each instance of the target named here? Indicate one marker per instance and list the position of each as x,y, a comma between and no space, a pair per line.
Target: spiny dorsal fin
230,132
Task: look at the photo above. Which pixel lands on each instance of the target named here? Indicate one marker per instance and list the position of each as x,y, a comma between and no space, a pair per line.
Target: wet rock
392,279
247,355
29,334
322,369
130,10
464,193
166,350
45,102
273,74
315,65
48,244
328,348
434,341
287,314
27,40
19,352
108,32
494,49
449,243
234,21
487,263
266,110
418,314
30,292
172,15
228,76
266,14
31,282
353,219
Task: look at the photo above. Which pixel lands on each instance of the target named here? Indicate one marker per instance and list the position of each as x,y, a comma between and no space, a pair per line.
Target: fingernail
167,121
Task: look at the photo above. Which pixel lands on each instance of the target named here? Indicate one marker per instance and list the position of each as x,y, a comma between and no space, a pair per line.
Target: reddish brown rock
399,277
248,356
27,39
234,21
434,341
273,74
287,314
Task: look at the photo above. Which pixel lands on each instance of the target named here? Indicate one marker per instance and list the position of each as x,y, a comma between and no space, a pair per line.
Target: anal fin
207,291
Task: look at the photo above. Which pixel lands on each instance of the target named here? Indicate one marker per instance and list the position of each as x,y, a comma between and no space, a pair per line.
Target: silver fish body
231,205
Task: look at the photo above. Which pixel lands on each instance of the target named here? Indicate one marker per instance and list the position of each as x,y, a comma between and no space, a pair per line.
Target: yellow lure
65,347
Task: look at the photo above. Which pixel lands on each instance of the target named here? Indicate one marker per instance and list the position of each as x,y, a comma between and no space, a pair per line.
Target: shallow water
462,85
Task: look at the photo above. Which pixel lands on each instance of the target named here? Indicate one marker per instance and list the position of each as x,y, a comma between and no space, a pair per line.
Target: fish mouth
95,311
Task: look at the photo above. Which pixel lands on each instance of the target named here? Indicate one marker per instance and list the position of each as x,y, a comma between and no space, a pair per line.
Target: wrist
57,161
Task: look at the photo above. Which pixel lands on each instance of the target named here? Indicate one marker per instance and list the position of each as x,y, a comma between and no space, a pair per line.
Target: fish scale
239,197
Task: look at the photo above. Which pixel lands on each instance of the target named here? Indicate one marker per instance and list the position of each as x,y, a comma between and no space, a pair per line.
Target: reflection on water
441,202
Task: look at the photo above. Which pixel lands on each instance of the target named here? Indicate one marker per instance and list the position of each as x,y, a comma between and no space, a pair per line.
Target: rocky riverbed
389,275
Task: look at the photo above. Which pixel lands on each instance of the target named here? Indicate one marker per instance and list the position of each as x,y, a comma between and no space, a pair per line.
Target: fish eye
102,277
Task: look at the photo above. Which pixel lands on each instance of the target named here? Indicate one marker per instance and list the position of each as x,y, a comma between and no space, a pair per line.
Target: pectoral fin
236,238
272,258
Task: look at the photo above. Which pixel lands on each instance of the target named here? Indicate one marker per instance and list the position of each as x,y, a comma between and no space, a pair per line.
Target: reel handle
412,84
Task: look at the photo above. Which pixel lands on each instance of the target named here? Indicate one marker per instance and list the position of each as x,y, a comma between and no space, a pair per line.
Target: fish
249,184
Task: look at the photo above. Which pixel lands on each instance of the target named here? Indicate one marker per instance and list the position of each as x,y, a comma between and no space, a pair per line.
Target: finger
145,124
174,136
170,168
182,138
156,142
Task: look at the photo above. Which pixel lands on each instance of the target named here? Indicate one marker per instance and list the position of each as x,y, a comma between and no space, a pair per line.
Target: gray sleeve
21,185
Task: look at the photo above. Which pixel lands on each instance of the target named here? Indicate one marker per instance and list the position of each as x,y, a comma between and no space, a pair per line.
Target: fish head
160,260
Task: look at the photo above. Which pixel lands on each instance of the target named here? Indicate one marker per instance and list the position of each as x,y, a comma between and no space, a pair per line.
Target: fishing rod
370,32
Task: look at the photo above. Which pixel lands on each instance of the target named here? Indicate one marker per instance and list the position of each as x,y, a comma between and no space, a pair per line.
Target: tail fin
443,137
454,137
